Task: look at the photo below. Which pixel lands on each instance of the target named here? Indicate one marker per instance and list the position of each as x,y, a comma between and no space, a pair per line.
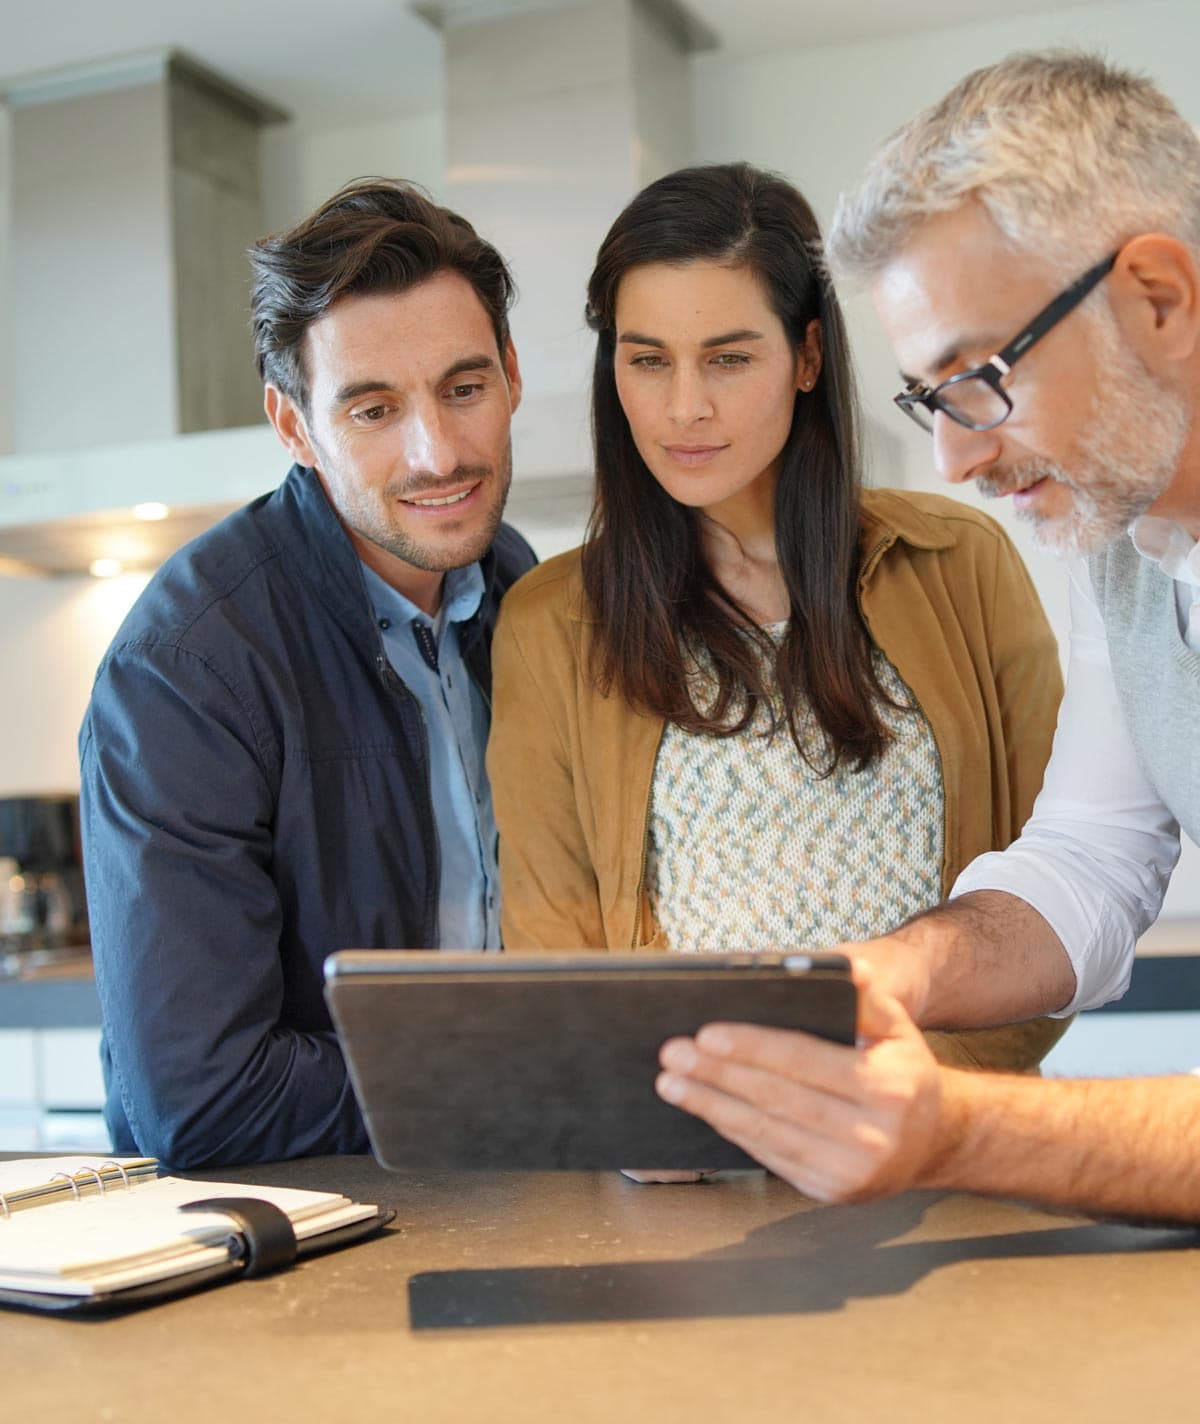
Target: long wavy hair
649,590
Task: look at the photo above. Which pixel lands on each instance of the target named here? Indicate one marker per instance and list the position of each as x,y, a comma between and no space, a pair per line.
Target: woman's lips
693,454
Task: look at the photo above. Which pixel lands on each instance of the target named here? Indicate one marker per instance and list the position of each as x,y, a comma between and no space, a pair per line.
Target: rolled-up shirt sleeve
1097,853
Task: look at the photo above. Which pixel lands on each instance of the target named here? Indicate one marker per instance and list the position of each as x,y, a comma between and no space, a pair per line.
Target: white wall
6,293
53,633
303,167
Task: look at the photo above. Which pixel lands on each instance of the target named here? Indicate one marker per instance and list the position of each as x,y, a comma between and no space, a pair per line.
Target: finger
889,964
881,1016
848,1166
677,1052
820,1114
802,1158
799,1057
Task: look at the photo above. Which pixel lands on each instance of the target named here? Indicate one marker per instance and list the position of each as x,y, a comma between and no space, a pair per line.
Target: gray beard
1128,454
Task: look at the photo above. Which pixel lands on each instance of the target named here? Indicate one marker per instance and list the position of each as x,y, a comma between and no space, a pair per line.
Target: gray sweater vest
1157,675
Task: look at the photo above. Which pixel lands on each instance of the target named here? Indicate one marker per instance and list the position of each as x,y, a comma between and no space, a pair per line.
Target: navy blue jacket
255,795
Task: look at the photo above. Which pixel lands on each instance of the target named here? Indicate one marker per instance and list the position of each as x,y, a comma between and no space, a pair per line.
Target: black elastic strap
265,1228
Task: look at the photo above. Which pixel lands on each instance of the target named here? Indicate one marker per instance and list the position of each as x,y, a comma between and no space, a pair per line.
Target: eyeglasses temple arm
1054,312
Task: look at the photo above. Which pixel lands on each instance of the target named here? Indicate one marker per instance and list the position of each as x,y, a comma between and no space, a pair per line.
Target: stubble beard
1128,454
444,552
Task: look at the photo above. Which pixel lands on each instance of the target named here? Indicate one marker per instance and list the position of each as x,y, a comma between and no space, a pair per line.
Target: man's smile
433,502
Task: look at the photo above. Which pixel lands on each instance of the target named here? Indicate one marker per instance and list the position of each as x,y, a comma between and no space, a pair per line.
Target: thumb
879,1014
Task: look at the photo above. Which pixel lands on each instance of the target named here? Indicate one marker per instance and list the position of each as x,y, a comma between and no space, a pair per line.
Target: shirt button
385,623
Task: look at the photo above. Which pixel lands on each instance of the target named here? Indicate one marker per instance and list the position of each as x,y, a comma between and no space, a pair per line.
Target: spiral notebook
78,1233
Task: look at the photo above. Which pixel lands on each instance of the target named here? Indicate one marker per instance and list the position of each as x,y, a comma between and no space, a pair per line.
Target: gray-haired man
1033,247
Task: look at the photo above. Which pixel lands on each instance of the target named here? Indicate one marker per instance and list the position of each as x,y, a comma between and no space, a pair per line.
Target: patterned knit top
750,849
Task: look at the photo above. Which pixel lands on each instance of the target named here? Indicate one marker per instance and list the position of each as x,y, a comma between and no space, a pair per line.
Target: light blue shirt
425,655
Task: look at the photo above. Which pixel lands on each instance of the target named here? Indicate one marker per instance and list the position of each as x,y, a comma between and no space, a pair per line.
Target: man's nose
959,454
429,442
688,399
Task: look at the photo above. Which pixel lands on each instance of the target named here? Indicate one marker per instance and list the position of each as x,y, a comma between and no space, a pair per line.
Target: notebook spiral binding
104,1174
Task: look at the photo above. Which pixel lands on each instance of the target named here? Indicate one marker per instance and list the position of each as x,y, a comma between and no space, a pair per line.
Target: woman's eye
649,362
732,358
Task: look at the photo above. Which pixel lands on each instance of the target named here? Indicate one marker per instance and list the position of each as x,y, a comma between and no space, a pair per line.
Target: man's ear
512,374
1156,296
288,419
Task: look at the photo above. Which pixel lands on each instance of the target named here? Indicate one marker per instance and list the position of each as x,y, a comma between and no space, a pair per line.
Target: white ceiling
341,61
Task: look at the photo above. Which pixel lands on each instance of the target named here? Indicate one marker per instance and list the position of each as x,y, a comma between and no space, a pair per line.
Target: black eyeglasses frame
917,399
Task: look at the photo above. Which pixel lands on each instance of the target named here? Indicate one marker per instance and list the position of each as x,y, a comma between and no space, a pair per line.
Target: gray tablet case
549,1061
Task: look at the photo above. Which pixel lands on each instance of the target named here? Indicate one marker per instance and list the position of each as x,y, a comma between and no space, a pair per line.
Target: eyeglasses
975,398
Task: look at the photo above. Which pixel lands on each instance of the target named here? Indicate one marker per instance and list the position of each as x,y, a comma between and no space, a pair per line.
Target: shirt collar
1169,545
462,593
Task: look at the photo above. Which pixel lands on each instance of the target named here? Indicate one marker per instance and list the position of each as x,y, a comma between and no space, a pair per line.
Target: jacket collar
323,549
886,516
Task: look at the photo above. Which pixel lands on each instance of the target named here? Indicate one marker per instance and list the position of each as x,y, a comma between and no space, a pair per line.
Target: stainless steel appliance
42,905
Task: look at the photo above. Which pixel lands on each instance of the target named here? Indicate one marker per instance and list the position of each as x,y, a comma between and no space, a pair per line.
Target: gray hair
1068,154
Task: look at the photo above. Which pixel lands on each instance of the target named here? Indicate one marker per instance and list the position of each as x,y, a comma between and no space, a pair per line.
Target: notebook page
25,1172
68,1245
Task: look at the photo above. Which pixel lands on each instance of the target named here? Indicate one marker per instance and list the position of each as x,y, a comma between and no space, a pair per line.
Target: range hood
60,513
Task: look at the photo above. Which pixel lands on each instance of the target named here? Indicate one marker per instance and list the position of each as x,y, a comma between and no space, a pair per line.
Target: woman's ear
808,358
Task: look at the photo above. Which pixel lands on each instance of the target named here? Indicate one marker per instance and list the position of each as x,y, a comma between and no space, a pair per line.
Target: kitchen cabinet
51,1087
51,1090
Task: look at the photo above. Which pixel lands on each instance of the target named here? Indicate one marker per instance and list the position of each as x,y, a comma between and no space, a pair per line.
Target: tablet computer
548,1061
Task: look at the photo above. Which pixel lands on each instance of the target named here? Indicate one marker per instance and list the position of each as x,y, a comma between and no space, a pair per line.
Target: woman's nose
689,400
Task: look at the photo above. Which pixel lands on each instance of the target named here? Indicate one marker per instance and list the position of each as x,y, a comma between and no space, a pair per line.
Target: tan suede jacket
947,599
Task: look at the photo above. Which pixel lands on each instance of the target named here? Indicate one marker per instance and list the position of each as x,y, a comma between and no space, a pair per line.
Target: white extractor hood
60,512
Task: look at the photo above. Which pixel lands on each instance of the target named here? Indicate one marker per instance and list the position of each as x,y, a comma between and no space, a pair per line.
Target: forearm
205,1080
986,958
294,1100
1119,1147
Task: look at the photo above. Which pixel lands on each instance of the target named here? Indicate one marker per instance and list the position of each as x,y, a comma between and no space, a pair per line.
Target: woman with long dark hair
761,708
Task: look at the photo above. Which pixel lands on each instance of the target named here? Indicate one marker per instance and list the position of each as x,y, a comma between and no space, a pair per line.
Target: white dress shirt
1095,856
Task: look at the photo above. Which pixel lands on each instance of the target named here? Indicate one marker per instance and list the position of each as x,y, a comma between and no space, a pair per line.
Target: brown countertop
579,1297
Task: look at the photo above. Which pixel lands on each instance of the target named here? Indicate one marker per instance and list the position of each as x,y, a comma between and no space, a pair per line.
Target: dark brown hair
373,235
647,585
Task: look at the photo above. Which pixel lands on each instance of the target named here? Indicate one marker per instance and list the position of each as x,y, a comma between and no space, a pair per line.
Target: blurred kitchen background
145,143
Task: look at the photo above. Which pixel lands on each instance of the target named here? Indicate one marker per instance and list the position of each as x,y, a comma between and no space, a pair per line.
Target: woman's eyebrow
635,338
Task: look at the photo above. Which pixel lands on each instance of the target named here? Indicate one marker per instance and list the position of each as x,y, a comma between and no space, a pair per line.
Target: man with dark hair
1033,247
284,751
